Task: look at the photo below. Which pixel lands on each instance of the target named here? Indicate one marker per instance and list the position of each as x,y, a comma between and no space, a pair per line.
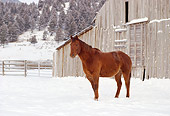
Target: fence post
39,68
25,68
3,71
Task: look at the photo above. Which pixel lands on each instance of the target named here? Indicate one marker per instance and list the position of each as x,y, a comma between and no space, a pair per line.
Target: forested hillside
60,18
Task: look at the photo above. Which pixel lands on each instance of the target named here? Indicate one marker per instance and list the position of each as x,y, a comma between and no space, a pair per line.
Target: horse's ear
77,37
72,38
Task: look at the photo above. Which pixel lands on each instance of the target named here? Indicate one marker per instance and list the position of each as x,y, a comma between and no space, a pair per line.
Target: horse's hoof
116,96
96,99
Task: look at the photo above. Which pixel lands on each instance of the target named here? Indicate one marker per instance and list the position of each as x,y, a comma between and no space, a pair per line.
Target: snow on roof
120,30
156,20
137,21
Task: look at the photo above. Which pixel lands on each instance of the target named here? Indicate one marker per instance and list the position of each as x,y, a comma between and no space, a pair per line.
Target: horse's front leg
96,87
91,81
94,83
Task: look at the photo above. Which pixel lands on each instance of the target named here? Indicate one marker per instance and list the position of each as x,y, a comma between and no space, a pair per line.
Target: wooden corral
25,68
140,28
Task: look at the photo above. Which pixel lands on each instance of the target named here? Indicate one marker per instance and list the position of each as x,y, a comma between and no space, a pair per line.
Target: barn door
137,44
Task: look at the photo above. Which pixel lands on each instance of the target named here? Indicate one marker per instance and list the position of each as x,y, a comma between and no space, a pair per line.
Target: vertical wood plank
25,68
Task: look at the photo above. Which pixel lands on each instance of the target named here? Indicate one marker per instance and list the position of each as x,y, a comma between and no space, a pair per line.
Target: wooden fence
25,68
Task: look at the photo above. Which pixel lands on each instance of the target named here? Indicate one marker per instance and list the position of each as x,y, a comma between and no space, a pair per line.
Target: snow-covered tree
27,22
60,35
61,20
32,24
3,34
33,40
13,32
70,24
45,33
53,23
21,23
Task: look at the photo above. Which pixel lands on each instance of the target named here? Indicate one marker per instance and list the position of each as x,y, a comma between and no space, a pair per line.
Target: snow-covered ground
42,96
24,50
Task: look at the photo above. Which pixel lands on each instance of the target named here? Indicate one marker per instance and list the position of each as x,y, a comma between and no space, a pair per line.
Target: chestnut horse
100,64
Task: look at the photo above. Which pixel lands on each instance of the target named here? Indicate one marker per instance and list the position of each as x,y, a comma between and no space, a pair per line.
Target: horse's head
75,46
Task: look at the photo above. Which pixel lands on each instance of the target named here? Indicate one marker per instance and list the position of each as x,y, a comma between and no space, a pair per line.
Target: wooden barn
141,28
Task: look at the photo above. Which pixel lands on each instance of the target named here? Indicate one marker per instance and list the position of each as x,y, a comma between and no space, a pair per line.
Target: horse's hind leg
119,83
127,82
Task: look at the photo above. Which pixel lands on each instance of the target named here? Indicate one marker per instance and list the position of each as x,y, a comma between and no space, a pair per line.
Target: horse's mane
85,45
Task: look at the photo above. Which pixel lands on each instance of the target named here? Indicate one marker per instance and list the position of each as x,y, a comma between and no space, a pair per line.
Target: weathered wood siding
153,9
158,49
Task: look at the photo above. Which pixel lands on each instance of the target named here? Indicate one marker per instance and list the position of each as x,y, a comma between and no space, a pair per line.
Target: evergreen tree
59,5
13,32
1,21
33,40
6,18
73,5
21,23
53,23
44,18
45,35
27,22
3,34
33,24
41,22
59,35
40,4
61,19
70,24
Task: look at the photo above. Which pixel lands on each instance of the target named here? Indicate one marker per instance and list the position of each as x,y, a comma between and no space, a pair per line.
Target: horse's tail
129,75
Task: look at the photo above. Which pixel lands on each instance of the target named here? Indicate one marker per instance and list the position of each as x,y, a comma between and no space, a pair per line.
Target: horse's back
110,64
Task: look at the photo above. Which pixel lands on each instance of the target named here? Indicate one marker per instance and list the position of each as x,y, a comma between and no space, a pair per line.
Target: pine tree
81,23
3,34
32,24
45,35
21,23
61,19
41,22
53,23
33,40
13,32
40,4
6,18
72,5
27,22
70,24
44,18
59,35
58,4
1,21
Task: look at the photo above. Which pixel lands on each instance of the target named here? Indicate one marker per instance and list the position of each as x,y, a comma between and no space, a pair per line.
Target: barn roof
78,34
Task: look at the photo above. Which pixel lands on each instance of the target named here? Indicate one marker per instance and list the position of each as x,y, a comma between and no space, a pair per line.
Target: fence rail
25,67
